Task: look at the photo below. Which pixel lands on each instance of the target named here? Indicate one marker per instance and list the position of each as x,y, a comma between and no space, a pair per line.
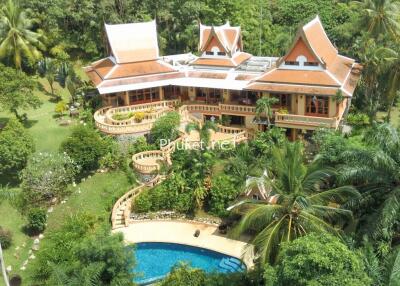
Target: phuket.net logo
187,144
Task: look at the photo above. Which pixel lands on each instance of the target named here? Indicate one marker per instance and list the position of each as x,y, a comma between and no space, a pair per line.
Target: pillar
301,104
226,96
161,92
127,98
332,107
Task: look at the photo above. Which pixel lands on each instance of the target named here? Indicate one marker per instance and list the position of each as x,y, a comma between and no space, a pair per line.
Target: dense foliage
165,129
320,260
5,238
85,146
17,91
82,252
16,145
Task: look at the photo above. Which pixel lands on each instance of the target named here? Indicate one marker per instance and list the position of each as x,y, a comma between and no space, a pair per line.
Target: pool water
155,260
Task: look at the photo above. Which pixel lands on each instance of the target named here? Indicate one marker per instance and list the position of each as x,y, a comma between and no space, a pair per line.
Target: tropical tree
17,38
16,92
379,17
264,105
377,170
203,129
304,203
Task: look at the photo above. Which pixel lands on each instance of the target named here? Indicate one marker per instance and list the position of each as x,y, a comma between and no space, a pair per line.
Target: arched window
301,59
215,50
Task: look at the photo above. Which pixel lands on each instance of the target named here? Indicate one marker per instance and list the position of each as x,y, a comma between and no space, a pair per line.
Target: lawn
394,116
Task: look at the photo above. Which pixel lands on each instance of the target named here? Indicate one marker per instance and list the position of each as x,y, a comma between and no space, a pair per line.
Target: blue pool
154,260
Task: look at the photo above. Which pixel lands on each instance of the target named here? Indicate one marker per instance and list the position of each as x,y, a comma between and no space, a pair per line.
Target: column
127,98
161,92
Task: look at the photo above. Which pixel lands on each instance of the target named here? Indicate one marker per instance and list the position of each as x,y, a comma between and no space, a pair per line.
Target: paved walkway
182,232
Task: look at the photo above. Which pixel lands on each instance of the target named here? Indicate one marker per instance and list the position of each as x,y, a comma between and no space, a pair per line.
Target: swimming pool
154,260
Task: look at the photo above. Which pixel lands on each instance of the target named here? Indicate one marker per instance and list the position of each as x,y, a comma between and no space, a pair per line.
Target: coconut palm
377,168
379,16
203,129
16,38
264,105
304,203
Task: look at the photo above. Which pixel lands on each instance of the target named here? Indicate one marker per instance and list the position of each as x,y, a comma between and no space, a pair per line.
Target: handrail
128,196
311,120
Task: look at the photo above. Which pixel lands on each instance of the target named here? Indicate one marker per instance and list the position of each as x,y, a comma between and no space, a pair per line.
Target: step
237,262
226,266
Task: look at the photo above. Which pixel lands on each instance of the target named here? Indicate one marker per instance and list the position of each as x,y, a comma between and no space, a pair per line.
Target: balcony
305,121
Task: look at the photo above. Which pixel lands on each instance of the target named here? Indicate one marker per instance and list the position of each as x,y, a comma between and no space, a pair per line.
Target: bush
223,191
140,145
46,176
165,127
358,120
16,145
61,107
320,260
182,275
85,146
172,194
5,238
37,219
114,158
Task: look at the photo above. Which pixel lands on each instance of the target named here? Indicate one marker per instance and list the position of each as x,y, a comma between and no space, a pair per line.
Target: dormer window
311,64
208,53
221,54
291,63
215,50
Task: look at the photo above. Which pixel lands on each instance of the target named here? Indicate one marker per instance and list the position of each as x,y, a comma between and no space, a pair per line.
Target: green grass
394,115
95,196
12,220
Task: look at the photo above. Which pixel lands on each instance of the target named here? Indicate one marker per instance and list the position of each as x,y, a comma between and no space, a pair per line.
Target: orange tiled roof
334,70
314,77
235,61
290,88
228,36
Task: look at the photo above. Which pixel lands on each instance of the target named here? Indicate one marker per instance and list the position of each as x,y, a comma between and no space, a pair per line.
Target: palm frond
338,195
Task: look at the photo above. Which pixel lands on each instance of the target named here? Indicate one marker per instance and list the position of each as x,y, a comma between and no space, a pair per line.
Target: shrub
85,146
46,176
5,238
139,116
37,219
140,145
358,119
61,107
165,127
223,191
172,194
113,159
182,275
16,145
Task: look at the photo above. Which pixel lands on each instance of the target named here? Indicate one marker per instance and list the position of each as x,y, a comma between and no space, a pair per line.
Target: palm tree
264,105
380,17
392,58
16,38
304,203
47,68
204,130
371,57
377,170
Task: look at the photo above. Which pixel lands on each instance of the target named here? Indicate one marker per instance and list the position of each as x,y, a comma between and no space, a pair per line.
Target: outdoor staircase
231,265
119,218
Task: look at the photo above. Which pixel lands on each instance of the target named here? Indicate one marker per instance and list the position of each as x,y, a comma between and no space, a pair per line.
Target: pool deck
182,232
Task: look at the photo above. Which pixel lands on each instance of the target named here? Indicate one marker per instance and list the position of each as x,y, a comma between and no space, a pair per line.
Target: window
211,95
171,92
283,100
221,54
255,197
310,64
317,105
144,95
208,53
291,63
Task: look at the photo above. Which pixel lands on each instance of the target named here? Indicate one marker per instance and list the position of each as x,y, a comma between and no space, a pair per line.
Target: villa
313,83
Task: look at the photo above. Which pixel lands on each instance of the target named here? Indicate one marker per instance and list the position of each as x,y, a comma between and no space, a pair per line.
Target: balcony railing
314,121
